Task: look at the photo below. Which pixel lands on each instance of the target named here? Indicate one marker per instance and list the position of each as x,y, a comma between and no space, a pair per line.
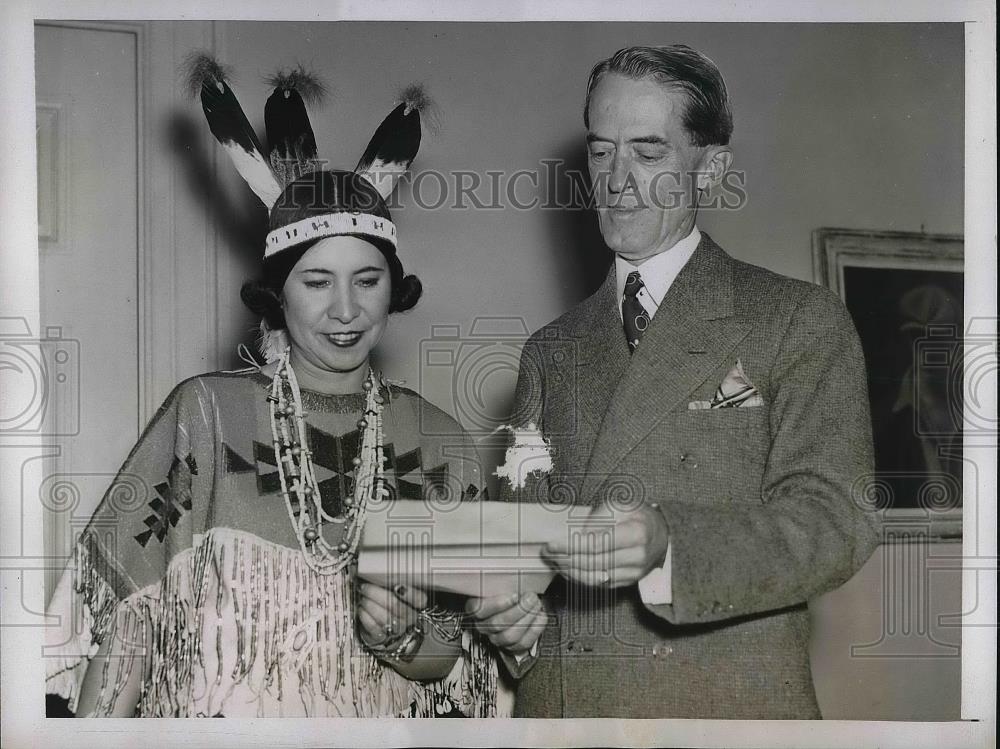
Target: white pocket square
735,391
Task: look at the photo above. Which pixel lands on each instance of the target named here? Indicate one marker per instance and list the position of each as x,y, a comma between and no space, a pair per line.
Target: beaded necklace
298,479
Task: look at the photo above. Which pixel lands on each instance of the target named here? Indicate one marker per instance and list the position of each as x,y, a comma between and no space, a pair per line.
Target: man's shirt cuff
518,665
655,589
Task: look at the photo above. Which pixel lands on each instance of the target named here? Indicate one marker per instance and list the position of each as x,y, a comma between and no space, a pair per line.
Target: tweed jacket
763,502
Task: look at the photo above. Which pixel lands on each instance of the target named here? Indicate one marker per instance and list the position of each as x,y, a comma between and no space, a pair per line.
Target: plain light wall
846,125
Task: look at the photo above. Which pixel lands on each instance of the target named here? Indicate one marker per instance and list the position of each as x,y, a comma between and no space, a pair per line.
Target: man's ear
715,162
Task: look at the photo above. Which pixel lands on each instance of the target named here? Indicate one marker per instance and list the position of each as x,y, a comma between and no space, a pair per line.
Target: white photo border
20,526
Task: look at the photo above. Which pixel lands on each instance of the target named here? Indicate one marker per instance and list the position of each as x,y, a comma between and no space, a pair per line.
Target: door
87,108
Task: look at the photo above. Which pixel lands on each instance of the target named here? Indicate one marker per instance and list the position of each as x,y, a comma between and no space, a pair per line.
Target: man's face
642,165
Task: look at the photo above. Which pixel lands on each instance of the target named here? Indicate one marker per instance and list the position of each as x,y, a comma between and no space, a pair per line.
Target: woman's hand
384,615
387,616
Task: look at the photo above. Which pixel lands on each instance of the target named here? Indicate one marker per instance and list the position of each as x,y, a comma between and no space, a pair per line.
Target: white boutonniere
529,454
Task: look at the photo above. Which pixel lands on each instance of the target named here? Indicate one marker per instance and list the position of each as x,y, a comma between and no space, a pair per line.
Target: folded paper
470,548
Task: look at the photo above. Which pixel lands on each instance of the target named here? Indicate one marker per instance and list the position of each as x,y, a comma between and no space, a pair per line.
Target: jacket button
569,646
688,461
662,650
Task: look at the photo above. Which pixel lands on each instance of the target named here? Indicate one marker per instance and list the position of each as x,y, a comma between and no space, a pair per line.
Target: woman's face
336,304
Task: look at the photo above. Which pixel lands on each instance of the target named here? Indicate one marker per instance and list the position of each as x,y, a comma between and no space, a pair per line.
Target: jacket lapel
689,338
602,358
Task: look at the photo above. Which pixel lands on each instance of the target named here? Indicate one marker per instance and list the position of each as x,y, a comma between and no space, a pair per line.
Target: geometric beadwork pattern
332,457
173,497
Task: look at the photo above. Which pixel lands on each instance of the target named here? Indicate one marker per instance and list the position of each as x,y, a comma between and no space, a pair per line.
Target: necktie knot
633,283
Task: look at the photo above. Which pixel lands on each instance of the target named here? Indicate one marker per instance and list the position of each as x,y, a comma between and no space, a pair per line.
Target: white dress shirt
658,274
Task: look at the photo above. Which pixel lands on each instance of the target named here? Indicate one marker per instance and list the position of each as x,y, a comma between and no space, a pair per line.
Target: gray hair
708,118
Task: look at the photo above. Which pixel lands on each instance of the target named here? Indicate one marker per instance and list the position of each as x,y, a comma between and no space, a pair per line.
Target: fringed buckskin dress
191,553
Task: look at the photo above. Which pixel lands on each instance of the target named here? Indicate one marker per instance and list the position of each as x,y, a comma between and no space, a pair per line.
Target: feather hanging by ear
272,342
230,126
394,145
290,140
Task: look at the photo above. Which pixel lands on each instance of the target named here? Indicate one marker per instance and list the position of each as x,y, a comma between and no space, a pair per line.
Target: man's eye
650,158
599,155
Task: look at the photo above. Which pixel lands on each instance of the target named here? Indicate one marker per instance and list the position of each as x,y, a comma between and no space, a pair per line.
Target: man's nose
618,177
344,308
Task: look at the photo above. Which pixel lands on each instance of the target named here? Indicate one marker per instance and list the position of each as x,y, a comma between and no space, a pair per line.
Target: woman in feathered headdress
228,588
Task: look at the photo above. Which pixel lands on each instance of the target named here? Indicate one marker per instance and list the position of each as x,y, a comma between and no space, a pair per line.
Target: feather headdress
292,150
287,169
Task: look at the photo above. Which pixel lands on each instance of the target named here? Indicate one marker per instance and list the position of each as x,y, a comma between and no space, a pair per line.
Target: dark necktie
634,316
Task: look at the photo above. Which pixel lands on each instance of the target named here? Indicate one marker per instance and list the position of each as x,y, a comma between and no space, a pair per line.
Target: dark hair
315,194
708,118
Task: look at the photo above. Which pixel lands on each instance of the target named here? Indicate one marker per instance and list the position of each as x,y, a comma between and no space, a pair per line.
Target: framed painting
904,292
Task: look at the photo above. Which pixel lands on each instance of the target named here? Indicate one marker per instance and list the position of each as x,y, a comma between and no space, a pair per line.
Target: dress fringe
241,623
86,605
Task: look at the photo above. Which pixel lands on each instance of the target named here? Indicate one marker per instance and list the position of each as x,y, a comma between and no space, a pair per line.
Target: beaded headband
330,225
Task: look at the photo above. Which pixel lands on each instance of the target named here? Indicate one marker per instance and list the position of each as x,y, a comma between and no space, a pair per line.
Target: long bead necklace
298,478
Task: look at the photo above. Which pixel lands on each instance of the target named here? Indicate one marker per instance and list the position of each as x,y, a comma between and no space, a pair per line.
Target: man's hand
615,548
512,622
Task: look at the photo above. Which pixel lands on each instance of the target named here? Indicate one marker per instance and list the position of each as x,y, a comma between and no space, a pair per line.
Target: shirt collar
658,272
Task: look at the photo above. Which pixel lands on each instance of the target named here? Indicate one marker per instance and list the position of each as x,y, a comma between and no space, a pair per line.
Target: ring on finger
604,577
390,627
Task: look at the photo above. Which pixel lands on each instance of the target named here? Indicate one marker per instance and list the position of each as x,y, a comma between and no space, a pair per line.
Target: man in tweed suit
713,414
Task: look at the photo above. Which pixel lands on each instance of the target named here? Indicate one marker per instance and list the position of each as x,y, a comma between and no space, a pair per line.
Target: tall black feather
290,140
231,128
392,149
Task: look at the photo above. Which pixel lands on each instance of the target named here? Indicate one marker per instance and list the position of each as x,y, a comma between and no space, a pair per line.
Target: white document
471,548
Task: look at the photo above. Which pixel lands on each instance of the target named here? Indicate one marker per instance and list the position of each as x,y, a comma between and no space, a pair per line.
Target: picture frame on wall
904,291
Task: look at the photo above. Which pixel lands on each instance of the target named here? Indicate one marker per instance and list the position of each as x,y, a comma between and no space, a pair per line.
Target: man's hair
707,117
